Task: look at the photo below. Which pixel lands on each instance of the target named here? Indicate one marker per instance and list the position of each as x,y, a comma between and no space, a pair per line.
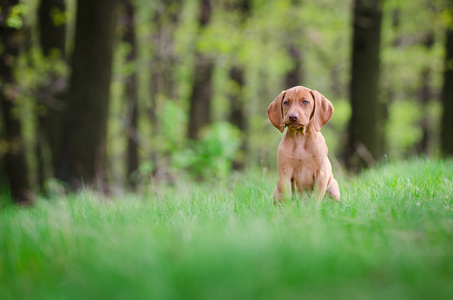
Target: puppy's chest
301,156
301,163
304,167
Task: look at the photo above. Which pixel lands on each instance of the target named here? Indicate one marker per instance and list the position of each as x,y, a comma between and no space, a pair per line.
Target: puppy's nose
293,117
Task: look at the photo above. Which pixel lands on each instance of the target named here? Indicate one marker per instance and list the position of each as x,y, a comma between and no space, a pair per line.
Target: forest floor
212,241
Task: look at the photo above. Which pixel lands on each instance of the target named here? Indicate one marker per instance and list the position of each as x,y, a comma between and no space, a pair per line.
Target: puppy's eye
286,102
305,102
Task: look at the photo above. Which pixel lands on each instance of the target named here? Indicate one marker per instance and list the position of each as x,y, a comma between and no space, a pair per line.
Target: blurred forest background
121,94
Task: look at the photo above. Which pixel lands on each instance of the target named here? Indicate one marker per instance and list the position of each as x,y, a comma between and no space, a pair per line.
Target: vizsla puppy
302,154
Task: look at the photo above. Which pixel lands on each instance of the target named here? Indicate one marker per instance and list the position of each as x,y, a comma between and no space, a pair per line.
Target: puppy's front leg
320,187
283,189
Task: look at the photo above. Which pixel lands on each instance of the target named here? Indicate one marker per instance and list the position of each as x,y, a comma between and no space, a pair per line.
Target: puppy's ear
323,110
275,112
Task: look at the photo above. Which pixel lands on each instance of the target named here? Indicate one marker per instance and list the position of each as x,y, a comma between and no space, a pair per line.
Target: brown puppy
302,154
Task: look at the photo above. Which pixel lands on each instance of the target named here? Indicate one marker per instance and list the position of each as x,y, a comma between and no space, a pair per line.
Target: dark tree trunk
52,40
294,76
447,96
200,99
396,24
238,113
42,167
366,134
422,145
424,96
52,34
128,22
15,158
236,95
83,156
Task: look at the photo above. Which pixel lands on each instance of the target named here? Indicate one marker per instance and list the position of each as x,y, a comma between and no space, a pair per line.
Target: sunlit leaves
14,19
58,17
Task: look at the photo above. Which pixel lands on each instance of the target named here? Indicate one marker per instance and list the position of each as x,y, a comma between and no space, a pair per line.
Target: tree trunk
294,76
424,95
236,95
52,32
40,147
131,92
447,95
83,156
366,134
14,158
238,113
200,99
52,40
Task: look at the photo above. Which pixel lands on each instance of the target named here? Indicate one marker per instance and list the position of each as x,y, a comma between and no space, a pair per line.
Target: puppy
302,154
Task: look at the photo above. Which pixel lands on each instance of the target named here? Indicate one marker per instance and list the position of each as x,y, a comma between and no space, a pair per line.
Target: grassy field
393,241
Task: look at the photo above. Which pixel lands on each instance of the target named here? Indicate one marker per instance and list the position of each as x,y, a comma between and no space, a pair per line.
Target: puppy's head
299,108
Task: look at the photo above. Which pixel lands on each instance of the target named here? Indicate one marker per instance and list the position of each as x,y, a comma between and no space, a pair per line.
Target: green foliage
173,121
58,17
320,29
207,241
403,115
36,71
339,123
210,157
40,83
15,18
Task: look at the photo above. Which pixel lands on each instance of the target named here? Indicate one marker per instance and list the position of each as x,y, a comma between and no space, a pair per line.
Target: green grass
393,241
